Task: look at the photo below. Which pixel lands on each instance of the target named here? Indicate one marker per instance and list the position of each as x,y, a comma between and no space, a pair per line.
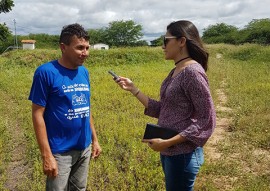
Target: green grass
244,164
126,163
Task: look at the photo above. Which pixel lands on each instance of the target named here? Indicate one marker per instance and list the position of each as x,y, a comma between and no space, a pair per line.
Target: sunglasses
166,39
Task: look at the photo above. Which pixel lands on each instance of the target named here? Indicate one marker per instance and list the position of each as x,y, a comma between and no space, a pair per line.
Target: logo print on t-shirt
79,100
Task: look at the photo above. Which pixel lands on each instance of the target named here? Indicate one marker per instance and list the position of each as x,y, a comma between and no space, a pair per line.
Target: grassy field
243,72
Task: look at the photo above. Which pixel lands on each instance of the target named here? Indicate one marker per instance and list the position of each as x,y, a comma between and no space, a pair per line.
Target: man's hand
96,150
50,167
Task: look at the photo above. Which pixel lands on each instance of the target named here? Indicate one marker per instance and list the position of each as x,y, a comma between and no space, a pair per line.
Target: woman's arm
197,89
128,85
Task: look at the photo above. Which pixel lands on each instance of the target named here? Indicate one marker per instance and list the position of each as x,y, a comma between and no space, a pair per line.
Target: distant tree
44,40
141,43
257,31
158,41
5,34
5,37
123,33
6,6
220,33
97,36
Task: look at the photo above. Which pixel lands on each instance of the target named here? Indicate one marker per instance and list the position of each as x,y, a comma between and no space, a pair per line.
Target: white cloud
48,16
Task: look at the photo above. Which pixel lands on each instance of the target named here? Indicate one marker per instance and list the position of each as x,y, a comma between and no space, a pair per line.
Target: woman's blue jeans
181,170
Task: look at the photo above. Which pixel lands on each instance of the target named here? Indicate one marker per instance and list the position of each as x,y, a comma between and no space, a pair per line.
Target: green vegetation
257,31
126,163
6,6
129,34
245,160
117,34
5,34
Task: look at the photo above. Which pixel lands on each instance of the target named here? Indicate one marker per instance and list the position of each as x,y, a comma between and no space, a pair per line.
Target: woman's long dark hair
194,43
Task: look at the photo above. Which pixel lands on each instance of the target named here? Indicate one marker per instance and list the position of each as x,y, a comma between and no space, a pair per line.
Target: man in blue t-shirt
61,114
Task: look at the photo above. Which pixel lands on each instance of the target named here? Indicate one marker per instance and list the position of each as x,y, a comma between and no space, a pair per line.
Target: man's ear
62,47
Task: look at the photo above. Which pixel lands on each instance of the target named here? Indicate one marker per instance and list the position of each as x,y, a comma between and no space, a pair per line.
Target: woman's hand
157,144
162,144
126,84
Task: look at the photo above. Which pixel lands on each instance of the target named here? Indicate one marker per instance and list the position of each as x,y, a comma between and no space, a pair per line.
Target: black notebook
155,131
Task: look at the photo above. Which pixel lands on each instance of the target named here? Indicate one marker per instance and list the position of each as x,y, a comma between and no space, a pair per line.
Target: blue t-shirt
65,94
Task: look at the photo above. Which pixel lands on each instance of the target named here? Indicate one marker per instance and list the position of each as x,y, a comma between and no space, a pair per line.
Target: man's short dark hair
69,31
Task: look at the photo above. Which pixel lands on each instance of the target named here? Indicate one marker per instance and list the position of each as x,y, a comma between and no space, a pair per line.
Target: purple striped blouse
186,106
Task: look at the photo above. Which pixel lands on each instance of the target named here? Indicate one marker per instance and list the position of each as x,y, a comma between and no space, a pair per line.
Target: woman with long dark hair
185,106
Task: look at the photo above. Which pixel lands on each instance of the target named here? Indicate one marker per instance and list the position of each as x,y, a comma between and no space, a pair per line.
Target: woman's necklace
181,60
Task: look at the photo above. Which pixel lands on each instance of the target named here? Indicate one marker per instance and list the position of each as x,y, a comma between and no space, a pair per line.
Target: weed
126,163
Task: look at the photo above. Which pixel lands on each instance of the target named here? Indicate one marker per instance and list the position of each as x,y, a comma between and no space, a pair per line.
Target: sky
49,16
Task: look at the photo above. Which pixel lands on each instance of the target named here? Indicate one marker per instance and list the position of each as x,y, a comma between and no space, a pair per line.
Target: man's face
76,52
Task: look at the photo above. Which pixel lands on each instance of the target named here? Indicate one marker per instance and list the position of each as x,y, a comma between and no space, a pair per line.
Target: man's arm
49,163
96,149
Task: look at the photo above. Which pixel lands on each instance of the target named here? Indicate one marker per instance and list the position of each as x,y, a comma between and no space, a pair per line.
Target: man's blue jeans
72,171
181,170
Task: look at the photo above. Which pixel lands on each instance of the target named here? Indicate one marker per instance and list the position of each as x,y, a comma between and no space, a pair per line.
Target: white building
28,44
100,46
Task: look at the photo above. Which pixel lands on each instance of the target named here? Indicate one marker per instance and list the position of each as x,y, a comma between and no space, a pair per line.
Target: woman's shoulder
194,68
194,72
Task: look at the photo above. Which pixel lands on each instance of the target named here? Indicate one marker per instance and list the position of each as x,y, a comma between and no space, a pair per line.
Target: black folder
155,131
